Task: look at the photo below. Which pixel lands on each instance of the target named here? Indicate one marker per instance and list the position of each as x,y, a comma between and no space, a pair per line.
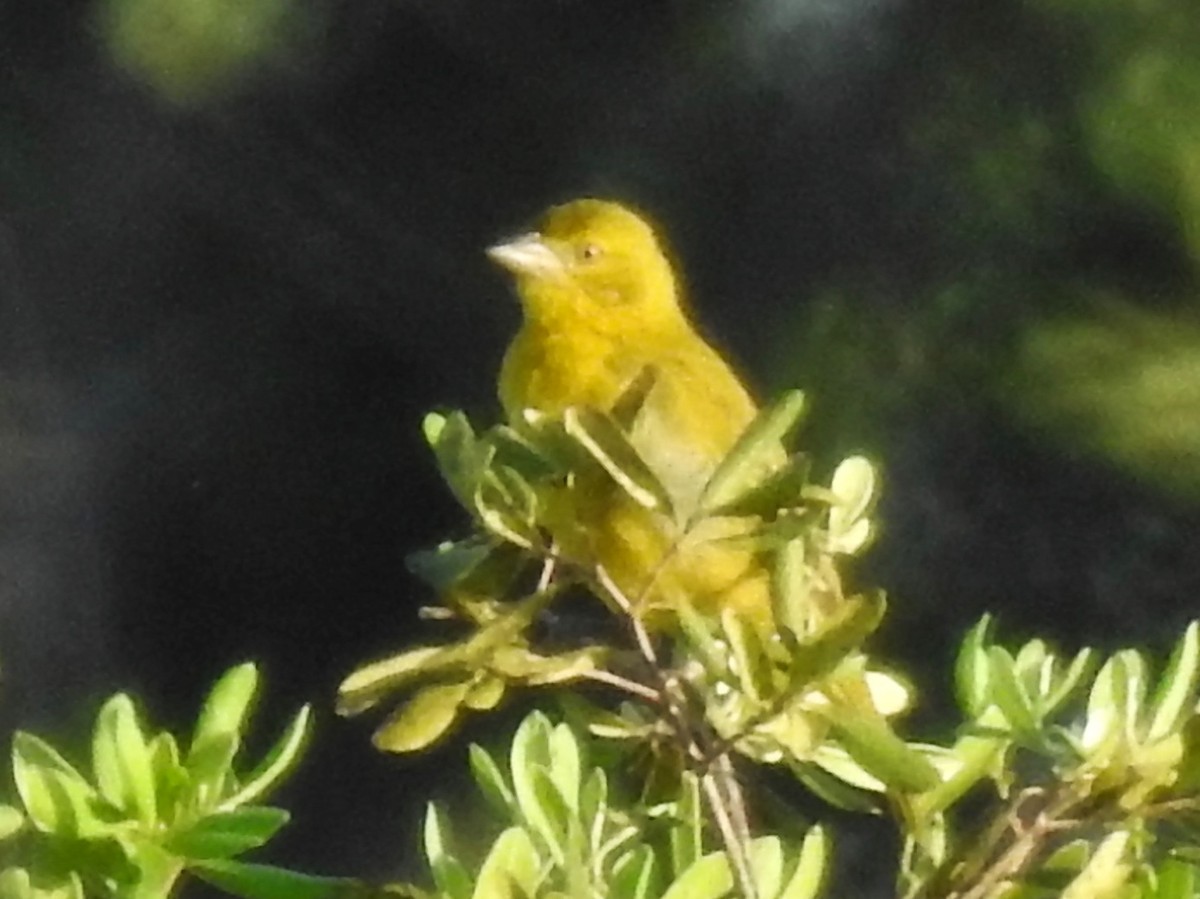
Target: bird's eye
589,251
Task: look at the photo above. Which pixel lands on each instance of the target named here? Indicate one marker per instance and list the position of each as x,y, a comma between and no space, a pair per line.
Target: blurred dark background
240,255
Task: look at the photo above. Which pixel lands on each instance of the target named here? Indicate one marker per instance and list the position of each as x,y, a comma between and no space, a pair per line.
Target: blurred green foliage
1047,247
190,51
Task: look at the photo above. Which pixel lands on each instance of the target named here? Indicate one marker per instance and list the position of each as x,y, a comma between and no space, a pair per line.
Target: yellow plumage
601,306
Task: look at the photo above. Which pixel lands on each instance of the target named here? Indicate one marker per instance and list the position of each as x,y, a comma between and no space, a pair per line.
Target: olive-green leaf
757,453
449,562
371,683
604,441
485,694
791,590
782,488
421,720
461,457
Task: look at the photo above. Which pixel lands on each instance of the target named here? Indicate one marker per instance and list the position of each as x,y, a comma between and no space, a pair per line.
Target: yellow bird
601,306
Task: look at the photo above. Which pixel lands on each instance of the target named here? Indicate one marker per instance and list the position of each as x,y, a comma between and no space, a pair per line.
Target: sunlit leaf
876,747
491,781
1176,694
810,873
56,797
607,444
226,708
510,870
423,719
449,874
121,760
757,452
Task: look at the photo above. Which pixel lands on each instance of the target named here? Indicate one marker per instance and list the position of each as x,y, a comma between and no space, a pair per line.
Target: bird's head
592,259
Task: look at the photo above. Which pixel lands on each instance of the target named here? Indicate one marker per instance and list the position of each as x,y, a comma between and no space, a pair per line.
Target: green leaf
971,669
449,562
856,619
449,875
766,865
1008,692
1080,668
835,789
491,781
1104,726
791,589
371,683
1106,872
604,441
854,485
507,506
593,799
1176,880
530,763
876,747
748,656
210,769
461,457
485,694
226,834
711,877
757,453
57,799
268,882
226,709
634,874
510,870
278,761
526,456
810,873
12,820
1175,697
566,764
687,829
781,489
121,760
170,777
423,719
15,883
552,820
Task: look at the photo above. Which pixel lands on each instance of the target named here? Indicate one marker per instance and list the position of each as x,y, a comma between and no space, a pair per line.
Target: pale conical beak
527,254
